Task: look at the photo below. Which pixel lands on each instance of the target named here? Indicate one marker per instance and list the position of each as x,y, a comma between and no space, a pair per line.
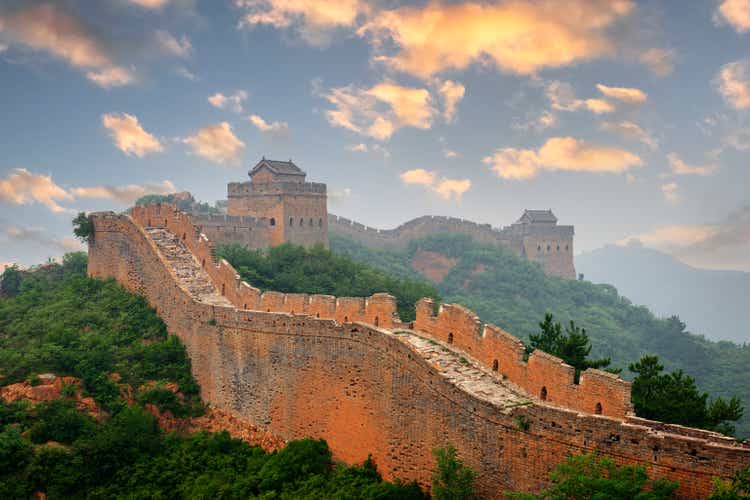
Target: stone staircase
187,269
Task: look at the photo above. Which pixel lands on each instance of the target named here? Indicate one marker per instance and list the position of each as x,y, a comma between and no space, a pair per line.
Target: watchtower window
272,221
598,409
548,247
558,248
203,263
377,321
223,289
450,338
291,221
495,366
320,222
543,394
346,319
311,222
566,248
539,248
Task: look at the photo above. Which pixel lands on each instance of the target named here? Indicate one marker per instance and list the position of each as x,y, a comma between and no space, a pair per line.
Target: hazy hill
713,303
514,294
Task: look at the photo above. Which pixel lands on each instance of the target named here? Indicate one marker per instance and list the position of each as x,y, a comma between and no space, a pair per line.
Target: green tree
738,488
451,480
572,345
83,227
10,281
588,476
674,398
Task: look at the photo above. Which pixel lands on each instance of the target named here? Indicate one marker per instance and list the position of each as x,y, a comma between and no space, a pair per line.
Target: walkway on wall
187,269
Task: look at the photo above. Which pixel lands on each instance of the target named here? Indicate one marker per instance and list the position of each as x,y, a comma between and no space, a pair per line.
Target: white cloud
129,136
561,154
449,153
679,167
736,13
126,195
630,130
442,186
671,193
232,102
111,77
170,45
40,237
451,93
733,82
624,94
562,98
217,143
22,187
265,127
358,148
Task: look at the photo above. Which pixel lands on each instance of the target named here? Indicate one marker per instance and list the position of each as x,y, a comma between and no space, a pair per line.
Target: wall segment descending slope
319,366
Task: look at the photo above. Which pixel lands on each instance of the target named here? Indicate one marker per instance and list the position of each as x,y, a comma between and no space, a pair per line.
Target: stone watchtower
538,238
295,211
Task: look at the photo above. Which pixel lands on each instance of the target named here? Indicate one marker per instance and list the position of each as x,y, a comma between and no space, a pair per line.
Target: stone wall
365,391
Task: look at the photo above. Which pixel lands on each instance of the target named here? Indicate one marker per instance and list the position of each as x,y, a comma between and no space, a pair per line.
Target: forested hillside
515,294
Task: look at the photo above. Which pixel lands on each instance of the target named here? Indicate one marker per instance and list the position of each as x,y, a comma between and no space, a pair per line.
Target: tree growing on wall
674,398
738,488
451,480
572,345
83,227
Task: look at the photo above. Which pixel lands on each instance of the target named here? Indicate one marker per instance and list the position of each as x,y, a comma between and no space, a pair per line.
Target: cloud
381,110
671,193
40,237
272,128
733,82
170,45
561,154
679,167
659,61
358,148
630,130
449,153
337,196
150,4
126,195
48,28
672,236
517,37
314,20
129,136
562,98
736,13
217,143
624,94
444,187
23,188
232,102
451,93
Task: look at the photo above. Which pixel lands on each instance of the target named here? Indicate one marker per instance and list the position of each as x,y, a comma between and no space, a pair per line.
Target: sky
630,119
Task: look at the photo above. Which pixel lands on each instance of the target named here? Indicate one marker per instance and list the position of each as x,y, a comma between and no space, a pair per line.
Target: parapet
235,189
542,375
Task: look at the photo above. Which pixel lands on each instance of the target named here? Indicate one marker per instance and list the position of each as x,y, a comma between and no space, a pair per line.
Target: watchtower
295,210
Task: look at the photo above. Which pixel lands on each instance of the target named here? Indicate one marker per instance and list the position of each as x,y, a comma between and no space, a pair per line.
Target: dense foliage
83,227
515,294
736,489
451,480
674,397
294,269
588,476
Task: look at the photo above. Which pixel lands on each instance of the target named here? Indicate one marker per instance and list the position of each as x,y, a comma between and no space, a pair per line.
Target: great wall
349,371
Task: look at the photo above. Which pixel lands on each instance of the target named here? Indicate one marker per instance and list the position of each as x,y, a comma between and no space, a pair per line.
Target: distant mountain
712,303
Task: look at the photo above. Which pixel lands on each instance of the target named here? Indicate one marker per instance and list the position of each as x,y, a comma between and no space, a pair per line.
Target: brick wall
365,391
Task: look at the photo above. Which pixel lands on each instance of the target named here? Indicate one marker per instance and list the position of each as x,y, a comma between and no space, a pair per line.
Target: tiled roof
537,216
278,167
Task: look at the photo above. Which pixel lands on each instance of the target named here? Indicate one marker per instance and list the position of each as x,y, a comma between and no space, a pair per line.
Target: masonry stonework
347,370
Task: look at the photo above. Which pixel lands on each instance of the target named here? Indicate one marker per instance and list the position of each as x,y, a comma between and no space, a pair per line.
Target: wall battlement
249,188
365,390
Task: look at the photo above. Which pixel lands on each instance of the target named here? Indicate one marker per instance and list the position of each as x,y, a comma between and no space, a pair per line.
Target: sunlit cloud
49,28
451,93
562,98
630,130
517,37
670,191
623,94
22,187
736,13
231,102
660,61
265,127
358,148
449,153
673,236
129,136
314,20
561,154
381,110
733,82
679,167
168,44
442,186
125,195
150,4
217,143
40,237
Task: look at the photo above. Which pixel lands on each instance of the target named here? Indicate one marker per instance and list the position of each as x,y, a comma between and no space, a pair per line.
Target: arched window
377,321
311,222
566,248
272,221
320,222
203,263
598,409
346,319
543,394
184,236
495,366
301,222
450,338
548,248
244,306
291,221
558,248
539,248
149,223
223,289
165,222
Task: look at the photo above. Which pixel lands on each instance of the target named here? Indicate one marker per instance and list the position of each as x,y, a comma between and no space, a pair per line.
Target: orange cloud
217,143
150,4
48,28
272,128
233,102
451,93
624,94
671,193
733,82
126,195
23,188
562,98
444,187
518,37
630,130
561,153
171,45
736,13
679,167
672,236
659,61
129,136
